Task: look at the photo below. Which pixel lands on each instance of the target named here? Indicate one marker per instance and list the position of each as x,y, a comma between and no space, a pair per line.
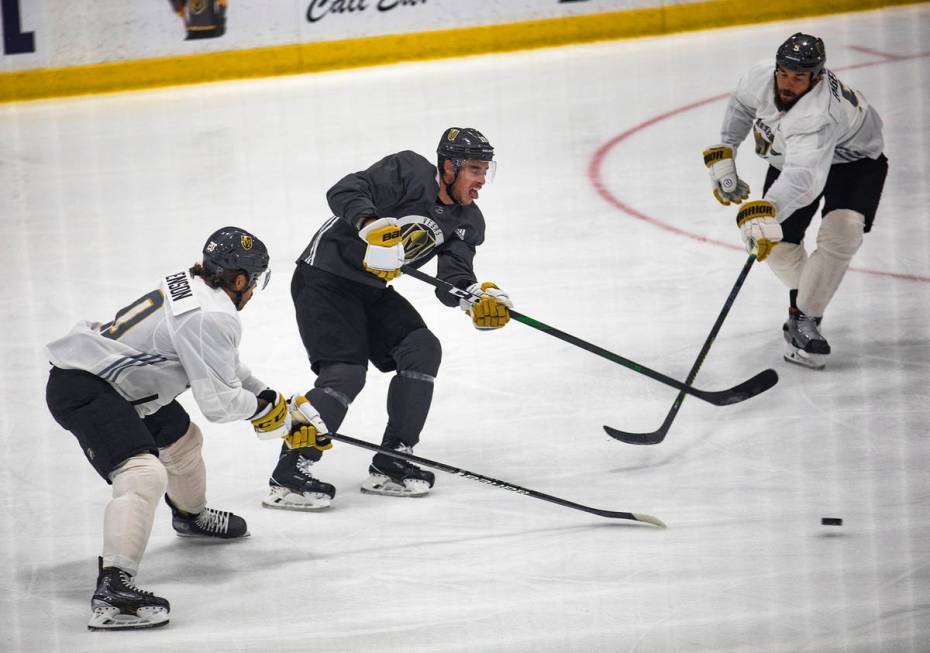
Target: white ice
100,195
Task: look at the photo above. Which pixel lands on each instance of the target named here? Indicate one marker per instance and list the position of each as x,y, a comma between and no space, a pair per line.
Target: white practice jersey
830,124
182,334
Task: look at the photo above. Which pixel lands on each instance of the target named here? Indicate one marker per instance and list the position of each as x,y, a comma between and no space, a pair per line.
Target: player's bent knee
183,454
420,351
786,255
142,475
840,235
343,380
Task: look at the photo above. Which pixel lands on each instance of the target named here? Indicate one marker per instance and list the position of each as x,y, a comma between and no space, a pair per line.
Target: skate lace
303,466
126,582
807,327
216,521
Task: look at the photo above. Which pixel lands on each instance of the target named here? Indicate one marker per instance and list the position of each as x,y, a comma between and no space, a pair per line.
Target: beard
784,104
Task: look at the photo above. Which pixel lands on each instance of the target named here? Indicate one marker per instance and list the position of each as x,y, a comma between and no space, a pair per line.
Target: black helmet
463,144
803,53
232,248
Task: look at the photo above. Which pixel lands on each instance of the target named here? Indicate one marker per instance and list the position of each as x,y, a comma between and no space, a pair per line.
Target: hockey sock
138,485
408,401
787,261
838,239
187,474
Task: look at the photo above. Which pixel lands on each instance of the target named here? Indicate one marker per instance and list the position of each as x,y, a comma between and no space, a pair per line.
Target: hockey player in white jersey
114,386
822,140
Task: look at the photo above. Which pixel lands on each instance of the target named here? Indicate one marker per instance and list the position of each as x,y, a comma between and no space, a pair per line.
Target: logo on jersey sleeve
420,236
763,136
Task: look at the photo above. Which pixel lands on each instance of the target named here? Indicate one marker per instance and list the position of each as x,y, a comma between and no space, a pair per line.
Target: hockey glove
489,308
728,187
272,421
385,253
759,227
308,429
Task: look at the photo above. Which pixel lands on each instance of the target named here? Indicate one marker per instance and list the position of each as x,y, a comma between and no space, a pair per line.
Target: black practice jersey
404,186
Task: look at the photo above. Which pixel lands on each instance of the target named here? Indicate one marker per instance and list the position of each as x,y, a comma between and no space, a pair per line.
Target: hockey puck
831,521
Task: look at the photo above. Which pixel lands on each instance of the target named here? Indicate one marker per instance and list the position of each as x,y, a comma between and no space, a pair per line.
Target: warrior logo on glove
759,227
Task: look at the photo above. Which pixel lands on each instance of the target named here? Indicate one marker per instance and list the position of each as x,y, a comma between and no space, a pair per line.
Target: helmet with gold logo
235,249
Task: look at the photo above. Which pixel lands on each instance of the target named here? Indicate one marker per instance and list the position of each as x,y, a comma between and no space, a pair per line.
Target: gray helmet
803,53
235,249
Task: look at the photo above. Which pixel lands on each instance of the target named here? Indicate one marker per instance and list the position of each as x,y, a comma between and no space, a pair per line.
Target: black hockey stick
648,519
745,390
657,436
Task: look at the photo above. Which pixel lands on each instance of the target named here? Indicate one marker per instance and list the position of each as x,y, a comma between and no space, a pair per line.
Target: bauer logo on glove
489,307
385,252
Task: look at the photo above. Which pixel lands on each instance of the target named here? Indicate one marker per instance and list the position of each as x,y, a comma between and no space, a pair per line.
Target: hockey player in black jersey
400,211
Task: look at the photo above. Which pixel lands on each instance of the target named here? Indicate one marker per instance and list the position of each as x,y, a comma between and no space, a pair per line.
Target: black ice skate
120,605
395,477
292,486
806,345
207,523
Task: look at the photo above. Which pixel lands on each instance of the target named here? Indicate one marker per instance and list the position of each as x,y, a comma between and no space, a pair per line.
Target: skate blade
110,618
307,502
198,537
388,488
805,359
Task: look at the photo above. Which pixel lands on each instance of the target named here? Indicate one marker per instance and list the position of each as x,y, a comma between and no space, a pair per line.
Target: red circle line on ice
594,169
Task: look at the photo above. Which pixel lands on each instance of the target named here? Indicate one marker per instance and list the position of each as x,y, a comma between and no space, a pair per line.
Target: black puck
831,521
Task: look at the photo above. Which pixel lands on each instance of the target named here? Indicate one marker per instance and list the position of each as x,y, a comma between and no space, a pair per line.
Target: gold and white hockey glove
721,165
490,308
385,253
759,227
274,420
308,429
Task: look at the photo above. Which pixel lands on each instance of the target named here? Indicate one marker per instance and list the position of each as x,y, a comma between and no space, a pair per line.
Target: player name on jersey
180,296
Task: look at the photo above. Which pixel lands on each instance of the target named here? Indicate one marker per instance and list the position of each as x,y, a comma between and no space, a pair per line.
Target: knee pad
184,453
840,234
142,476
418,354
341,381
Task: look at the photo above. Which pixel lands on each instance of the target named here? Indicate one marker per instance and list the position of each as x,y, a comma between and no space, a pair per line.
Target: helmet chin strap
452,183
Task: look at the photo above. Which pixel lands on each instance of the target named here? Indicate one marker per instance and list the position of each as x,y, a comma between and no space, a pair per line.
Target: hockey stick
657,436
745,390
648,519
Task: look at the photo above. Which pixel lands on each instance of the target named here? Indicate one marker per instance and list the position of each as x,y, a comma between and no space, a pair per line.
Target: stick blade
745,390
655,437
649,519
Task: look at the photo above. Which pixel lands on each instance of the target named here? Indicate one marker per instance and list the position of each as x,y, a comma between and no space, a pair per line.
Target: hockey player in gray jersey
114,386
401,210
822,140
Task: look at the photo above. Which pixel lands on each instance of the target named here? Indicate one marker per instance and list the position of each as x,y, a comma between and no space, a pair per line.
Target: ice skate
293,487
209,522
117,604
397,478
804,343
